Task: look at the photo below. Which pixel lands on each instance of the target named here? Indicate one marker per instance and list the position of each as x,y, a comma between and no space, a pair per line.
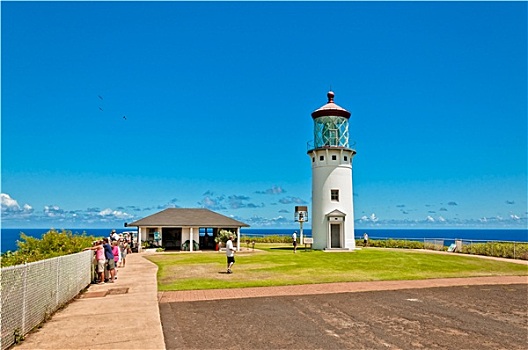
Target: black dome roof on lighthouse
331,109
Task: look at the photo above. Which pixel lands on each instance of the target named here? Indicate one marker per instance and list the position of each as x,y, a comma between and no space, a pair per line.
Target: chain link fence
502,249
495,248
32,292
434,244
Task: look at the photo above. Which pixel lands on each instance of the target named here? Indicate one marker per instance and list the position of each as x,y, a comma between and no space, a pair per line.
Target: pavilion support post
191,240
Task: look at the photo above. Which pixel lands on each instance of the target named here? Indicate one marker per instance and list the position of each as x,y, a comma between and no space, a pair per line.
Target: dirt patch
114,291
93,295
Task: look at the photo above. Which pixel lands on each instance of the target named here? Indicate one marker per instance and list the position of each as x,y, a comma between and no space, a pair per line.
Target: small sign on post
301,216
308,240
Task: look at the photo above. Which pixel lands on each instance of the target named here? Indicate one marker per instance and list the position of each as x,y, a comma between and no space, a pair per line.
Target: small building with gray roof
185,228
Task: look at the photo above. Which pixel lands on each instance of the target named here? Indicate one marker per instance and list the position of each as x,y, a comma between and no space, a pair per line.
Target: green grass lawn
276,265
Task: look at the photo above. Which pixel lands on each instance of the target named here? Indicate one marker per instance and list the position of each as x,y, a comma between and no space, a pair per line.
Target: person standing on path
230,253
100,257
109,256
114,236
124,251
294,239
365,239
117,256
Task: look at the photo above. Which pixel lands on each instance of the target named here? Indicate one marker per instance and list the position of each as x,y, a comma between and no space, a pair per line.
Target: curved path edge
329,288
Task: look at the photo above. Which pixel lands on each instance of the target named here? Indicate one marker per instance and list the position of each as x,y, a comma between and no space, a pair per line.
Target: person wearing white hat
114,236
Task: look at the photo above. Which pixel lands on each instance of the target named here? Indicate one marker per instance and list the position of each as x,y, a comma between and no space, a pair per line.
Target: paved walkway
125,314
120,315
332,288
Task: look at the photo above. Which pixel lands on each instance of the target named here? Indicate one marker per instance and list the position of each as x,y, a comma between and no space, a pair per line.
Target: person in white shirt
230,253
294,239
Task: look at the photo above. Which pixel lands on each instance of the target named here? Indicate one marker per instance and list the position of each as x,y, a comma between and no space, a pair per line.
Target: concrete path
332,288
120,315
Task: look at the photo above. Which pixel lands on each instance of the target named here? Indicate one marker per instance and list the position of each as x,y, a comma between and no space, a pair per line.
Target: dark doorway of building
171,238
335,235
207,238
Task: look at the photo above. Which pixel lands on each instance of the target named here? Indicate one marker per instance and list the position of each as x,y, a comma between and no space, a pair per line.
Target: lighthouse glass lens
331,131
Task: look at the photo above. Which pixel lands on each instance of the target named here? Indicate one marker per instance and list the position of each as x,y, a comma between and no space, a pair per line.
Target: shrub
498,249
52,244
267,239
392,243
223,236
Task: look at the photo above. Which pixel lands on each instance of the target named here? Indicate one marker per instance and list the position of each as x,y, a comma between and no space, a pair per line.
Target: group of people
110,254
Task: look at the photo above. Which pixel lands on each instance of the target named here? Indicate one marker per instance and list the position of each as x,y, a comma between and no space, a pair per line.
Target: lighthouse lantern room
332,195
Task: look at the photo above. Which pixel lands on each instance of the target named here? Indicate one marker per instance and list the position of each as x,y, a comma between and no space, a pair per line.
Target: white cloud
12,210
14,214
268,222
114,214
212,203
9,204
273,190
291,200
371,218
53,211
223,202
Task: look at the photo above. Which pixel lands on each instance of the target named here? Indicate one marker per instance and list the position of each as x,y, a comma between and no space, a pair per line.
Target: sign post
301,216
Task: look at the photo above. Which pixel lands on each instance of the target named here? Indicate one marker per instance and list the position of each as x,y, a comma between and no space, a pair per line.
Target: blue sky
218,96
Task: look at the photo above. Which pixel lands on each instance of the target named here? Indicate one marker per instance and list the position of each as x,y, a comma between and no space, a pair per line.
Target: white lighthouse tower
332,196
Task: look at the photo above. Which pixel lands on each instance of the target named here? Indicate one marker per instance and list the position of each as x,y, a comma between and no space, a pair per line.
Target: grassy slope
277,265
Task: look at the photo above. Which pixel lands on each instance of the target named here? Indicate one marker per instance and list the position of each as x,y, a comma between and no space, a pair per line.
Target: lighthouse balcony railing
310,145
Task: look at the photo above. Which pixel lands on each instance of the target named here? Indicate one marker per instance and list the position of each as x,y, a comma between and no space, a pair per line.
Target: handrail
310,145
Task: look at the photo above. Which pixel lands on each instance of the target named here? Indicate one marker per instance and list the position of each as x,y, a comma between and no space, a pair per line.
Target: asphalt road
463,317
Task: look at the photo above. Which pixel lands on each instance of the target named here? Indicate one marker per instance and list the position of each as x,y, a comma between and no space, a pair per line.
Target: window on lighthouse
332,137
334,195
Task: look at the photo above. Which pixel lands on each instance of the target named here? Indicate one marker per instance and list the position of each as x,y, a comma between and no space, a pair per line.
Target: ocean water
9,236
448,235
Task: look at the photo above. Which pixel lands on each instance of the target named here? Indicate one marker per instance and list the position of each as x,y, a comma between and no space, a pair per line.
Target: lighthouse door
335,235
